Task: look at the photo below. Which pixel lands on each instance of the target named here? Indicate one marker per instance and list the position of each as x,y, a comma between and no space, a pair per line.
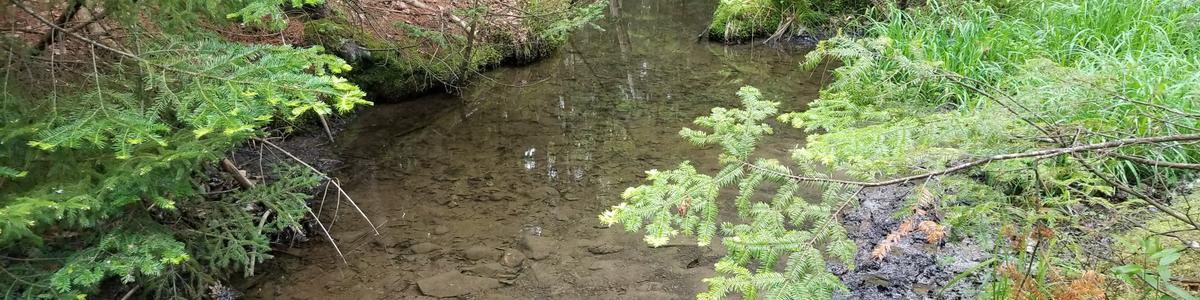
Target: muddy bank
914,268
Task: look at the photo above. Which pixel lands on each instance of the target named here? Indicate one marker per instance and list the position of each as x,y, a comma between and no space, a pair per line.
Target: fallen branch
1129,190
421,5
1157,163
1031,154
327,235
66,16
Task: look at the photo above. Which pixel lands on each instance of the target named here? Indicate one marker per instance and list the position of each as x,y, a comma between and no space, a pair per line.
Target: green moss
740,20
395,69
385,74
743,19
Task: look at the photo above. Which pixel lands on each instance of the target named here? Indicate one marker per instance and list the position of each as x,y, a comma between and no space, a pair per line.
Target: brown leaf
934,232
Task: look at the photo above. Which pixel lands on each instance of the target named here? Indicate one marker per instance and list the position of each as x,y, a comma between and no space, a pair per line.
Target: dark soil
914,268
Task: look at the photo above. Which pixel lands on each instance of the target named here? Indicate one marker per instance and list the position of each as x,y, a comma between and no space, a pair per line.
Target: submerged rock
426,247
605,249
512,258
536,247
544,193
454,283
493,270
480,252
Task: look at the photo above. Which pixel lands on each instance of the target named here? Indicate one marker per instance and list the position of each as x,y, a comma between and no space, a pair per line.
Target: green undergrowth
111,176
929,88
427,58
741,20
1024,126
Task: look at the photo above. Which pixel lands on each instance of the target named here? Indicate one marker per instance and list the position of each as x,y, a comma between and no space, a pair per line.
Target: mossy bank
402,55
736,21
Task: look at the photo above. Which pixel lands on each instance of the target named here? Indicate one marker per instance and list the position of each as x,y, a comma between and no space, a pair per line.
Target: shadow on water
517,167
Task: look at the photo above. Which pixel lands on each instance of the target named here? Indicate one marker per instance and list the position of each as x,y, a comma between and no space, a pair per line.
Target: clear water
538,149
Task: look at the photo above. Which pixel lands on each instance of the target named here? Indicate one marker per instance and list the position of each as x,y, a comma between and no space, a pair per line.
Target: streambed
493,193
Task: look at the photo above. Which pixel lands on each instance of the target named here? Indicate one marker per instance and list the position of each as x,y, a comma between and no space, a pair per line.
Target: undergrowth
1058,134
102,168
113,140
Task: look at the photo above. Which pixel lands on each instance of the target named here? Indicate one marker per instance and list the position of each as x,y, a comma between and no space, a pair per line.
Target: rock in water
536,247
480,252
512,258
605,249
426,247
453,283
493,270
544,193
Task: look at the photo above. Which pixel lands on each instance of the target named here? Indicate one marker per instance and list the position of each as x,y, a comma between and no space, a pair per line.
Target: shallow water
537,151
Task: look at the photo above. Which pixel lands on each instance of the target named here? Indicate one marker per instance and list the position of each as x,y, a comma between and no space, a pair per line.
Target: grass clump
930,87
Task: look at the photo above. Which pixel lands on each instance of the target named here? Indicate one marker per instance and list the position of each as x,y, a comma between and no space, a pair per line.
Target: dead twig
131,292
232,169
783,29
325,124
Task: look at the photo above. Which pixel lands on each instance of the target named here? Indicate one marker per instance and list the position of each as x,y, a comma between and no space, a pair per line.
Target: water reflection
544,148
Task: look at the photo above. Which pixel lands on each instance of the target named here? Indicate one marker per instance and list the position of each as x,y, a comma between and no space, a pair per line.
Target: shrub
101,172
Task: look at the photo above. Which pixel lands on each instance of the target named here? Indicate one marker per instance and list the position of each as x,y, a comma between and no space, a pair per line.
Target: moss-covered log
416,58
741,20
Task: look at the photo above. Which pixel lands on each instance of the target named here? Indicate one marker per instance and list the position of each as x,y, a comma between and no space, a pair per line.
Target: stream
493,193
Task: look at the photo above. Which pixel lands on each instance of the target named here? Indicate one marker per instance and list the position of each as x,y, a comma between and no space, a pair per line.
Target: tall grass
1101,55
1038,74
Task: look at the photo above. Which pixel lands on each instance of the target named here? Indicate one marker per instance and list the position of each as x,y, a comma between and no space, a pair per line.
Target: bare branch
1157,163
73,34
66,16
233,170
1031,154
